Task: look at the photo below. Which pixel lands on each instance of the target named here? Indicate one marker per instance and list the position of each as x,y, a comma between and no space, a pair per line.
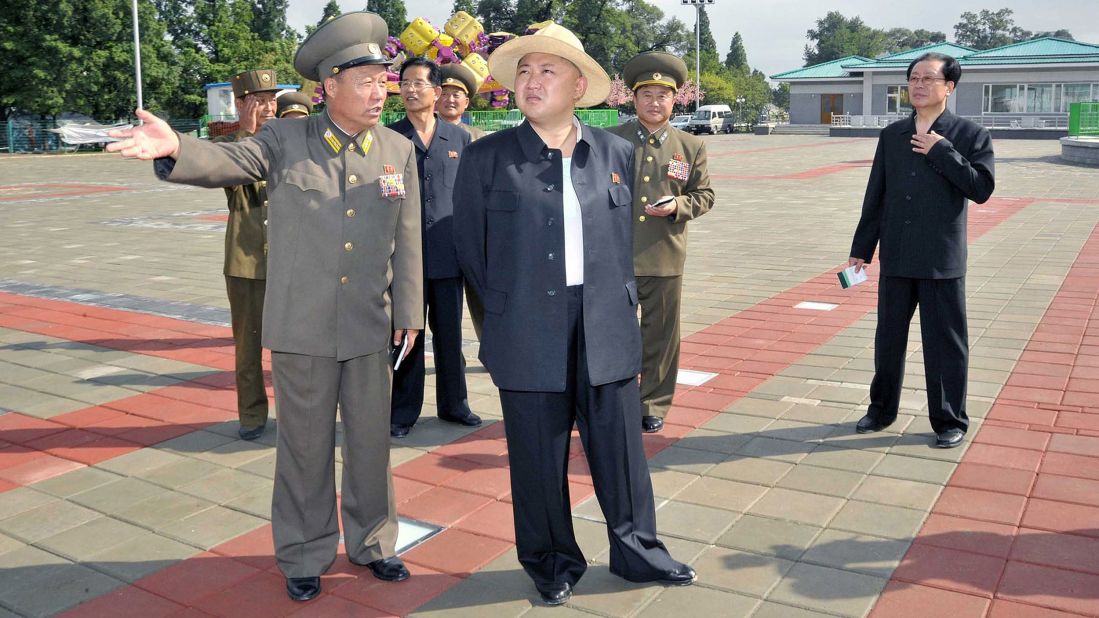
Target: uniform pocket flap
620,195
495,302
306,181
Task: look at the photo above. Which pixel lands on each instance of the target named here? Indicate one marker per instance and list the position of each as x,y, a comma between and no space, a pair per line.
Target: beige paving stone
46,520
716,441
922,445
878,520
255,502
769,609
849,459
226,484
686,460
751,470
738,571
77,481
210,527
193,443
182,471
604,593
68,587
898,492
754,406
830,590
699,601
141,555
774,537
775,450
80,543
817,480
22,499
721,494
265,466
799,506
915,469
693,521
669,483
8,544
856,552
139,462
737,423
163,509
797,431
819,414
117,496
500,588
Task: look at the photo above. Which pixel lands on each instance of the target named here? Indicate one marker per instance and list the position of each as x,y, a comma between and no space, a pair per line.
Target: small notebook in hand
848,277
399,352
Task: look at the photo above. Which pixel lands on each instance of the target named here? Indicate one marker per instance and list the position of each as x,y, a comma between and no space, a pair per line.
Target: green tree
496,15
469,6
269,19
780,96
529,12
1061,34
903,39
711,62
332,9
837,36
392,11
737,59
718,89
989,29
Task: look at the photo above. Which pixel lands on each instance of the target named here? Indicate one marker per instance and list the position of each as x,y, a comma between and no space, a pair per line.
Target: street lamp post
698,44
740,108
137,56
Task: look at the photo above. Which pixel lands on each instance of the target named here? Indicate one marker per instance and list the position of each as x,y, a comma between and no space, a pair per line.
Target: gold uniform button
649,159
350,212
644,200
264,202
351,147
641,218
646,179
344,280
265,222
652,141
263,183
348,246
352,179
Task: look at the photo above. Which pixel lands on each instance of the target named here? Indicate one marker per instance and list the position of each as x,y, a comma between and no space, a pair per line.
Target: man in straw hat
344,282
671,187
543,227
246,255
294,105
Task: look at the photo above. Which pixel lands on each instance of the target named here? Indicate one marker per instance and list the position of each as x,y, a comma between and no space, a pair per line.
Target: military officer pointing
671,187
246,255
345,279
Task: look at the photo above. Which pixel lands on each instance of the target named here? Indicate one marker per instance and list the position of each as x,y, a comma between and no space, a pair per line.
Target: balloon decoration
463,40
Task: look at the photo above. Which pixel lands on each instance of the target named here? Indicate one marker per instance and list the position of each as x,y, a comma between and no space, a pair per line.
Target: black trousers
443,298
538,426
945,348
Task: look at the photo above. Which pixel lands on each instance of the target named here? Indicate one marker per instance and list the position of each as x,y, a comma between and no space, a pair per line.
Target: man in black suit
439,147
926,170
544,233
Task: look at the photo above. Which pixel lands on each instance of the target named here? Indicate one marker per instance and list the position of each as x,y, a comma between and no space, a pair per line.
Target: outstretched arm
153,139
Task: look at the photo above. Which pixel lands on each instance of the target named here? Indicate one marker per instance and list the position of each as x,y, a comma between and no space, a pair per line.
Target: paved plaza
124,490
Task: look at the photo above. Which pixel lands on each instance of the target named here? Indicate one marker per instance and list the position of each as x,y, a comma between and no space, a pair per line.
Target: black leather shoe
651,424
399,431
555,594
682,575
251,434
469,420
303,588
949,438
869,424
389,569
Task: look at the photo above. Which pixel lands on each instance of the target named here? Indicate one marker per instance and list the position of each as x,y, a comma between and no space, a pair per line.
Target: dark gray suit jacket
438,165
916,206
508,212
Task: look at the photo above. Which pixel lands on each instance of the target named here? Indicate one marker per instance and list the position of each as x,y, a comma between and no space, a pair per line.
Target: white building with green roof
1024,85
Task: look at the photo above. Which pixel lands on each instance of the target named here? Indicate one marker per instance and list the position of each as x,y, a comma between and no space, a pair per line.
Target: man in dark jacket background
926,169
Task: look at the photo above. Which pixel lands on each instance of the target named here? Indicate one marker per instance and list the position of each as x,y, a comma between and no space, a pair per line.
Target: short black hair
952,71
433,75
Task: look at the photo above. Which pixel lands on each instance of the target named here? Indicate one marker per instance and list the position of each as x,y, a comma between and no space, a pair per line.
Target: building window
896,100
1036,98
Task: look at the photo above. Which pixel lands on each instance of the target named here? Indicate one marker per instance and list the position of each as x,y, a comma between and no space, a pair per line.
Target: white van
709,119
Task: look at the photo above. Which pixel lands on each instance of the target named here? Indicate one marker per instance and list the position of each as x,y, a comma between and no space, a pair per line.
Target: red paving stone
1037,424
125,601
191,580
904,600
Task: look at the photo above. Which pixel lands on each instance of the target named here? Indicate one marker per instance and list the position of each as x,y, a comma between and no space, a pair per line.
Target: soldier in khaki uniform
294,105
671,187
459,84
345,280
246,255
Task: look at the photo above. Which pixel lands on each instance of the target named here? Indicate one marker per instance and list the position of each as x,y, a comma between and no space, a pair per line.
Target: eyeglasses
415,84
925,80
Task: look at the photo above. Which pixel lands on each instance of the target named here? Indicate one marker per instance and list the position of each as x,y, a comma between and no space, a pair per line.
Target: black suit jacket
438,166
916,205
511,244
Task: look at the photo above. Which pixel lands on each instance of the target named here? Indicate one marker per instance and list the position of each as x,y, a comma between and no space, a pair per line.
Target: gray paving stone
699,601
878,520
98,535
46,520
742,572
22,499
751,470
774,537
898,492
825,481
831,590
693,521
143,554
799,506
855,552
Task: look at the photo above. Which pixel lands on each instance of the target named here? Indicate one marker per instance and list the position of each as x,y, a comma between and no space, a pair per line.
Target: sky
774,30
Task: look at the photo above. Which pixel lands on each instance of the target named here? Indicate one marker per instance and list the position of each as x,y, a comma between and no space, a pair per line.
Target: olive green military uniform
345,268
293,102
666,162
245,282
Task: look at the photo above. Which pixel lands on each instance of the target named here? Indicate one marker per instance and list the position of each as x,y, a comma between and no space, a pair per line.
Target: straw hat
558,41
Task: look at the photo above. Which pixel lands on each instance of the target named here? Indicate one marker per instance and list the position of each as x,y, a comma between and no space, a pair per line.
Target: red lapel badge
614,178
389,169
453,154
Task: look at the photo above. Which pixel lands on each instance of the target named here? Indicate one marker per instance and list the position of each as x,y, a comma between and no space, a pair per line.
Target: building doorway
830,104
